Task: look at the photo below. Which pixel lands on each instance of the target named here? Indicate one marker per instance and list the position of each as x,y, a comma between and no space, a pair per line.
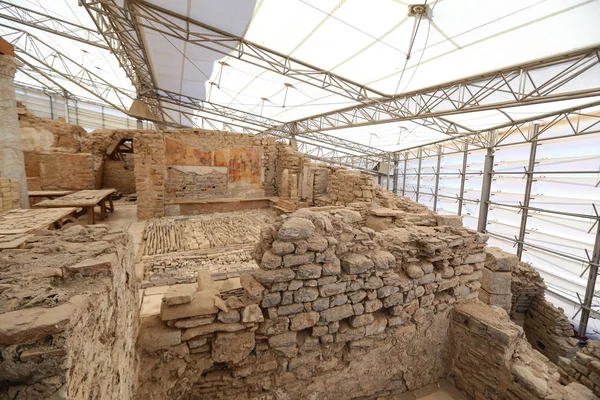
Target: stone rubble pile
583,368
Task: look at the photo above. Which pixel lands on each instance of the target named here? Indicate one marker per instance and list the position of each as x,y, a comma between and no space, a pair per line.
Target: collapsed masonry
68,316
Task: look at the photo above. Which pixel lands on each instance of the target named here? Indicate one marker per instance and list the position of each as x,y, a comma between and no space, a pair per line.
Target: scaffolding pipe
419,175
395,177
404,175
590,287
463,175
486,186
437,180
527,196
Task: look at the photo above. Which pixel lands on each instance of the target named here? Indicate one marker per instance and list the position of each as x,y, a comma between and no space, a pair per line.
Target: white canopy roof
364,41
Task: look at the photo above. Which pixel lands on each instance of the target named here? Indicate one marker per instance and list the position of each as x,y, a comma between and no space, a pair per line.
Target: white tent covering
367,42
364,41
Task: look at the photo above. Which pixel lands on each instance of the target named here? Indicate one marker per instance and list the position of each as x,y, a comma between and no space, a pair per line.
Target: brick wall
9,194
150,173
66,171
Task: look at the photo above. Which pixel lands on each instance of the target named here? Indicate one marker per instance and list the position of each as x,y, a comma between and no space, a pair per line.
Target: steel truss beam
150,16
578,123
121,32
520,85
54,25
41,62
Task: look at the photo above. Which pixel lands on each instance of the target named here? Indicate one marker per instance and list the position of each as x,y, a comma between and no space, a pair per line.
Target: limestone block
270,260
274,326
337,313
449,220
283,339
296,228
292,260
503,261
306,294
280,248
274,276
356,263
230,317
155,335
180,294
304,320
209,329
332,289
232,347
496,282
252,313
309,271
202,304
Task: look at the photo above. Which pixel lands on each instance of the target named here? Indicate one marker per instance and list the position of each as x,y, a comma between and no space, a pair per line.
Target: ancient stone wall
527,284
497,278
69,316
583,368
120,174
150,174
548,330
53,153
491,359
331,300
9,194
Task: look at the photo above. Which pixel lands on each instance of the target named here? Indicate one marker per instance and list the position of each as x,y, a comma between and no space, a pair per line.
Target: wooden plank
49,193
22,221
82,198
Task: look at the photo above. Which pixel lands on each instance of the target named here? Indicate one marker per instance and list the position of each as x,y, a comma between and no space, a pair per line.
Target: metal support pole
140,124
486,186
76,112
395,177
437,180
404,174
527,196
102,113
591,287
51,105
463,176
387,178
66,107
419,175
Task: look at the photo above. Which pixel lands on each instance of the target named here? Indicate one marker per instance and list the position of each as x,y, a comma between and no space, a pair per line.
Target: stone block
283,339
306,294
337,313
252,313
274,276
292,260
503,261
496,282
203,304
232,347
356,264
274,326
155,335
180,294
308,271
296,228
304,320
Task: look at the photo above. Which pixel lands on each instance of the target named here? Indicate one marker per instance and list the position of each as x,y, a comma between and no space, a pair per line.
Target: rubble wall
68,321
120,174
491,359
583,368
332,300
548,330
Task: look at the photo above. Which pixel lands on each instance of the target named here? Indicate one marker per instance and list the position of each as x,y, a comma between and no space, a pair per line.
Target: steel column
437,180
395,177
404,174
527,196
419,176
591,286
463,175
486,186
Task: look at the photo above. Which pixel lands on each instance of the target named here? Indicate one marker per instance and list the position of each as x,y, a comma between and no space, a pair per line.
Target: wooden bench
85,199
